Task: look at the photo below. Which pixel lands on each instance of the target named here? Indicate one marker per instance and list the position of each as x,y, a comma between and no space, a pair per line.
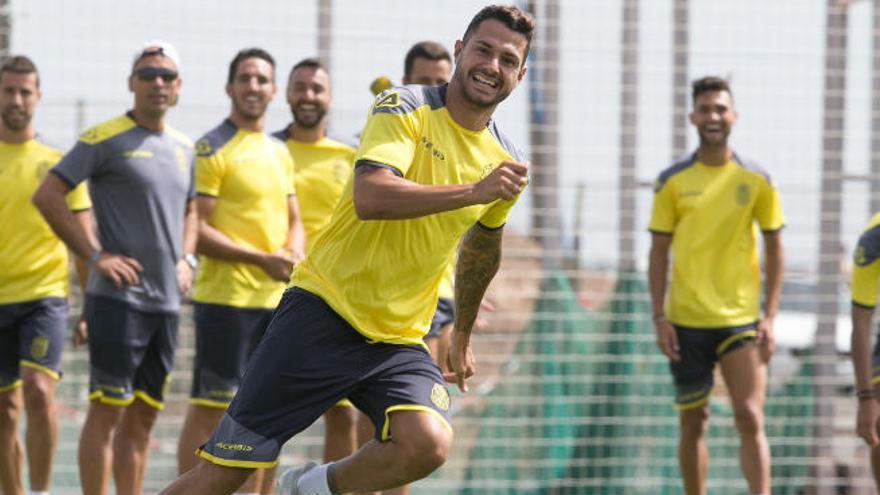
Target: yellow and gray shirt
321,170
250,174
711,213
33,261
866,266
382,276
140,181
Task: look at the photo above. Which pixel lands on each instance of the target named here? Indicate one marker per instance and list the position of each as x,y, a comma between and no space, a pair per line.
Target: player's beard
305,122
15,119
477,101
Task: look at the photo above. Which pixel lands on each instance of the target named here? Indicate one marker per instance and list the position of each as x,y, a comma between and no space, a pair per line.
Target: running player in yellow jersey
430,160
33,285
707,209
865,282
141,181
250,236
323,165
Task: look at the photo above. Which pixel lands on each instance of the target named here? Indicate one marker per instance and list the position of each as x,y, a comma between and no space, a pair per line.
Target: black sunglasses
148,74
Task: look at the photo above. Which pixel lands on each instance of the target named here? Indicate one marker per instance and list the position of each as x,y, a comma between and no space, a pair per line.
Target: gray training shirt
139,182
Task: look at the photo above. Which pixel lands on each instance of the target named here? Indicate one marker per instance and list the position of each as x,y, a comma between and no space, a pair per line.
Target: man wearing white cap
141,181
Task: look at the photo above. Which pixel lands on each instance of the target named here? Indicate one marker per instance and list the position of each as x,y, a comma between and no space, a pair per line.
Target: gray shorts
225,338
32,335
131,352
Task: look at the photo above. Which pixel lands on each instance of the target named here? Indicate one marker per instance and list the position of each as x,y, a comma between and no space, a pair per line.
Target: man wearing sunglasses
141,180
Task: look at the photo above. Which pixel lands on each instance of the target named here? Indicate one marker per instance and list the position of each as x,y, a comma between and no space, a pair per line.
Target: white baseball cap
158,47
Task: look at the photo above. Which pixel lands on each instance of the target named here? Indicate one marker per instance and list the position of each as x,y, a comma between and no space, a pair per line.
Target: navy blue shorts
131,352
443,315
701,348
32,335
309,359
226,336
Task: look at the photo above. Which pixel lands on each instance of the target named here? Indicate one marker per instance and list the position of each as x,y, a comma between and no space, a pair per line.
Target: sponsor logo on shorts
440,397
39,347
239,447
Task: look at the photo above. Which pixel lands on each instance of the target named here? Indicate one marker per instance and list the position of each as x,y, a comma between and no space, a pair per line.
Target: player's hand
294,254
121,270
667,339
80,332
184,276
866,421
505,182
764,339
277,266
460,361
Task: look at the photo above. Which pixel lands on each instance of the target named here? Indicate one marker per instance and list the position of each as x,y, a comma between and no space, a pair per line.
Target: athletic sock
39,493
314,481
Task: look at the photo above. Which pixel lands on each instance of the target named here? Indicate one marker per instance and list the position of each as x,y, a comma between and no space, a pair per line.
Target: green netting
599,418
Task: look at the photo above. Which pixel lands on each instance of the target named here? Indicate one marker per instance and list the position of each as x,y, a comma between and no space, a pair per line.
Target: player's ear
457,50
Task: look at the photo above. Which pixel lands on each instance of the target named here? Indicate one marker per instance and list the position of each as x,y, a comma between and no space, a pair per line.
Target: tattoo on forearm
478,260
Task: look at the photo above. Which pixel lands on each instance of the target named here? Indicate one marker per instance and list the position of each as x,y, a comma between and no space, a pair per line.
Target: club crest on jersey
43,167
389,100
203,147
180,156
440,397
742,194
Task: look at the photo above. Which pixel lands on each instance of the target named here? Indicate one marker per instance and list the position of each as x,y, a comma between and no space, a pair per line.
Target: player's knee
426,451
749,419
9,412
38,395
694,423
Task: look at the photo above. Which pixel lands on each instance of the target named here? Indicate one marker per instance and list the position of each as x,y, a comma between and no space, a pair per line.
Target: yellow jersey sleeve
210,170
389,137
289,167
663,212
866,266
768,208
78,198
495,215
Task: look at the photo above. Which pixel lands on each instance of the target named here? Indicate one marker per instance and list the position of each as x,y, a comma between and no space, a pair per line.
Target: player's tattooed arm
478,260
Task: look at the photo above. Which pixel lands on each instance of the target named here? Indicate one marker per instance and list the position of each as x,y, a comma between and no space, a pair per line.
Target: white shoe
286,484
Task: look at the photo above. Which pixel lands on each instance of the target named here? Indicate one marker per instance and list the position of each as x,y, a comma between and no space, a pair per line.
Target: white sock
247,493
314,482
39,493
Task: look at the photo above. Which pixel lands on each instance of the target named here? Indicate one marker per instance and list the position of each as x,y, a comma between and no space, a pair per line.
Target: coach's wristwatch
191,260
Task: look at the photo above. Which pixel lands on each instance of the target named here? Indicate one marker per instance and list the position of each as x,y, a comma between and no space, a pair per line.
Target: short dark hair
709,83
20,64
430,50
249,53
311,63
511,16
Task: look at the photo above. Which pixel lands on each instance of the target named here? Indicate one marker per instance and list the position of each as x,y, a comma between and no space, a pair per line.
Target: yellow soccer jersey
250,174
383,276
866,266
711,212
33,262
447,283
322,168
